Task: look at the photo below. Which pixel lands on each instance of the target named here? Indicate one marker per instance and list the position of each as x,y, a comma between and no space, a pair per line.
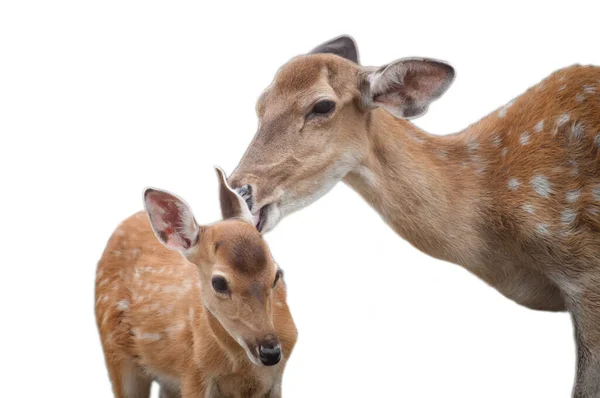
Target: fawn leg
127,378
585,311
168,392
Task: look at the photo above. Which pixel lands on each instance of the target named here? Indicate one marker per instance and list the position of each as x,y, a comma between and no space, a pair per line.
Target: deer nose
245,191
270,352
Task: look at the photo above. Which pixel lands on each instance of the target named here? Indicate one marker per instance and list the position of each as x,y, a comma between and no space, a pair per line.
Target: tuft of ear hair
343,46
408,86
172,219
232,204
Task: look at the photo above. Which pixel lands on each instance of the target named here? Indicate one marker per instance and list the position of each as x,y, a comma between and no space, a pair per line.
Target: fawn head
314,120
236,270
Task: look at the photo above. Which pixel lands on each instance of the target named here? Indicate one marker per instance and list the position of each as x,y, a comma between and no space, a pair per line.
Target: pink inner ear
168,220
174,241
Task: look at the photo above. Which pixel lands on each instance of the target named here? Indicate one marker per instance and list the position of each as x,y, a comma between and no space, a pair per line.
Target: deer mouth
260,219
262,216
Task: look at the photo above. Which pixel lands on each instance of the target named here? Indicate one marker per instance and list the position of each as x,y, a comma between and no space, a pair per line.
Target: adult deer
513,198
207,318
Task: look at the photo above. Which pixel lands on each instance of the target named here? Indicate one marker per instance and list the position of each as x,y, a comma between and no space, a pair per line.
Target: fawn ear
343,46
232,204
172,219
406,87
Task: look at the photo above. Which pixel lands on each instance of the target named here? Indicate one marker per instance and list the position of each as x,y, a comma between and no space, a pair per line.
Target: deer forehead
239,247
309,75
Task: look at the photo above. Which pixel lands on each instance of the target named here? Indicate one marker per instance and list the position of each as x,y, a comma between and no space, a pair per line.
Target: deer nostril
270,352
245,191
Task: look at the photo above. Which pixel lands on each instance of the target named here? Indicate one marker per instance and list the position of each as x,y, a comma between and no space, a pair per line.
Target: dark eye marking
278,276
322,108
219,284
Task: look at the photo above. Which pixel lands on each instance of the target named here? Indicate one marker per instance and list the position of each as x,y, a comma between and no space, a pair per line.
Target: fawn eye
219,284
278,276
322,108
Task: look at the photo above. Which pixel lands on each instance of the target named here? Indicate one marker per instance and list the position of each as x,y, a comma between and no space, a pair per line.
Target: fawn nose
270,351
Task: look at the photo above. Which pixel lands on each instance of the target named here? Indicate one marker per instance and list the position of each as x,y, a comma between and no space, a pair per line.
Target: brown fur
450,195
154,325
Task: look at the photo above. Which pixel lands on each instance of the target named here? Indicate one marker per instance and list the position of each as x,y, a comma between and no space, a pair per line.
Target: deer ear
171,219
406,87
344,46
232,204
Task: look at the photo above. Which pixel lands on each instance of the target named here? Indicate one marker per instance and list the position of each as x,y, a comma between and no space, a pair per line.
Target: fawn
514,198
202,309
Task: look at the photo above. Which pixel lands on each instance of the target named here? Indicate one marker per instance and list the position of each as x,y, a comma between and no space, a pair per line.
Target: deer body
514,198
155,324
511,198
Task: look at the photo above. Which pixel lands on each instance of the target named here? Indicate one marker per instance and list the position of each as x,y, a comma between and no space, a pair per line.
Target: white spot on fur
472,144
105,318
567,216
175,327
116,253
524,138
596,192
542,229
561,88
123,305
279,304
145,336
505,108
574,169
120,232
589,89
572,195
539,126
562,119
580,97
504,152
496,140
577,130
103,282
541,186
513,184
480,165
528,208
101,299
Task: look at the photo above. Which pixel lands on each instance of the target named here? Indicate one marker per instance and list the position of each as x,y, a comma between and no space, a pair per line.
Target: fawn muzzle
269,351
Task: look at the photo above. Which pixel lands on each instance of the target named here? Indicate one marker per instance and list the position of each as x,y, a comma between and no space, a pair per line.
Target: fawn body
514,198
202,324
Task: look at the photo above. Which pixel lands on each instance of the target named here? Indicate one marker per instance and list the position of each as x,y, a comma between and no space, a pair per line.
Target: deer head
314,120
236,270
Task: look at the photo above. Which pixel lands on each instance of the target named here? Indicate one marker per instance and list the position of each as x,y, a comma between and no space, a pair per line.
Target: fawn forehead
240,246
305,74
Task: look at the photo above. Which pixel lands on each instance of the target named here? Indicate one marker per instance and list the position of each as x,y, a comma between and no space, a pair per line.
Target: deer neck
425,187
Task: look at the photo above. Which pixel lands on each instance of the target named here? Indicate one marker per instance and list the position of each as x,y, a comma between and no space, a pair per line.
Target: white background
100,99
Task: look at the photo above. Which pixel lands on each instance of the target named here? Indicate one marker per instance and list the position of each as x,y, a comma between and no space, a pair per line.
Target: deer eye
278,276
322,108
219,284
